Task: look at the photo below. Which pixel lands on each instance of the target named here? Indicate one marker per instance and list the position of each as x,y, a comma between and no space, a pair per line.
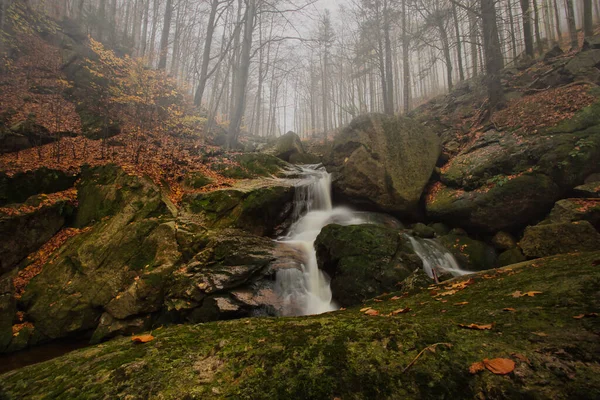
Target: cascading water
306,291
437,260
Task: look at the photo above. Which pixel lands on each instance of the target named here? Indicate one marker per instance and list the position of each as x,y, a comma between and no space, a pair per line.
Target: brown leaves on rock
498,366
371,312
142,338
400,311
69,195
452,289
477,327
518,293
41,257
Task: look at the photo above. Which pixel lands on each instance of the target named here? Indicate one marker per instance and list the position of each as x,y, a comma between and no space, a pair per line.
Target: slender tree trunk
493,56
571,23
588,18
155,9
389,74
513,36
446,51
405,60
473,37
164,39
144,38
527,31
536,25
242,79
210,29
461,72
557,16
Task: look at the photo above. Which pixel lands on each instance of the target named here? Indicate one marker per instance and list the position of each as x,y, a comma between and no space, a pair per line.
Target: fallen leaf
401,311
499,366
377,300
531,294
517,294
521,357
142,338
370,311
477,327
509,309
476,367
448,293
365,309
462,303
580,316
541,334
395,298
461,285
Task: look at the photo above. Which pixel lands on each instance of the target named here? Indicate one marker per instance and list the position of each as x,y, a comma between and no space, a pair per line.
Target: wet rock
285,147
504,241
383,162
471,254
549,239
510,257
364,261
423,231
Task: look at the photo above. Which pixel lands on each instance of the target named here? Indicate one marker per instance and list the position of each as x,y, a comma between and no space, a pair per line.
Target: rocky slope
542,317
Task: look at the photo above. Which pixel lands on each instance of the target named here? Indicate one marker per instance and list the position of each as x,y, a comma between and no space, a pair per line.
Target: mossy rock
423,231
558,238
259,211
285,146
511,205
571,210
364,261
350,355
471,254
510,257
24,233
22,185
504,241
107,191
197,180
383,162
304,158
253,165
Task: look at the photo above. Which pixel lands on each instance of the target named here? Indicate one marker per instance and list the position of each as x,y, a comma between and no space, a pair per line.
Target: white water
437,260
307,291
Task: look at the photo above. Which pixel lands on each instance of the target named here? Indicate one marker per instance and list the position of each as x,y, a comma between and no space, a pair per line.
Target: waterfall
306,291
437,260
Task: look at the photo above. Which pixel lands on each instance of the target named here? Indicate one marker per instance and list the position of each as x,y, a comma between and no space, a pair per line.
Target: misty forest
299,199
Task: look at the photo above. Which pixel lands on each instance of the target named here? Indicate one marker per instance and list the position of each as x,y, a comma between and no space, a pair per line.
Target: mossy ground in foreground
349,355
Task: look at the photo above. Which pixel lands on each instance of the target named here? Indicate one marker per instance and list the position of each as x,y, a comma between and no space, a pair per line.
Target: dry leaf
370,311
395,298
531,294
377,300
462,303
580,316
461,285
499,366
509,309
477,327
401,311
476,367
142,338
541,334
517,294
521,357
365,309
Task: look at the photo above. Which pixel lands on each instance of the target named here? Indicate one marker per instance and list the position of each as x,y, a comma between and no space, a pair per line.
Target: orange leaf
462,303
370,311
476,367
509,309
401,311
499,366
521,357
142,338
531,294
580,316
395,298
477,327
365,309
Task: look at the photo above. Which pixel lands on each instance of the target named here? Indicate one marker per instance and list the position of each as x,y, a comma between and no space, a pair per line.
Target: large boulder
383,162
26,228
364,261
549,239
260,210
571,210
19,187
423,353
285,146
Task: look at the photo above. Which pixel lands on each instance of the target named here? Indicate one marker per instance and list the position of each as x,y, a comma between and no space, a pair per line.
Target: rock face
24,232
572,210
383,162
364,261
286,146
350,355
503,181
22,185
471,254
549,239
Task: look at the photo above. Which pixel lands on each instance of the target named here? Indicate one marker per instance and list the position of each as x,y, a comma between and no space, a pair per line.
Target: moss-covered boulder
285,147
471,254
507,180
258,210
509,205
8,310
571,210
504,241
22,185
589,190
24,229
511,256
108,191
558,238
254,165
422,353
383,162
364,261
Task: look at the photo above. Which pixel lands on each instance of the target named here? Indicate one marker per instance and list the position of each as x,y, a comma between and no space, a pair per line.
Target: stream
307,291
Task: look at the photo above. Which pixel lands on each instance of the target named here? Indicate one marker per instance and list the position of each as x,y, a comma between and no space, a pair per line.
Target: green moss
350,355
473,255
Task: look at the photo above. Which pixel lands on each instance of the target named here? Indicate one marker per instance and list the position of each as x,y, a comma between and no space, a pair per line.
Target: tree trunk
474,51
588,18
527,32
536,25
164,39
389,74
446,51
144,38
242,78
571,23
557,17
513,36
493,56
155,9
210,29
405,60
461,72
